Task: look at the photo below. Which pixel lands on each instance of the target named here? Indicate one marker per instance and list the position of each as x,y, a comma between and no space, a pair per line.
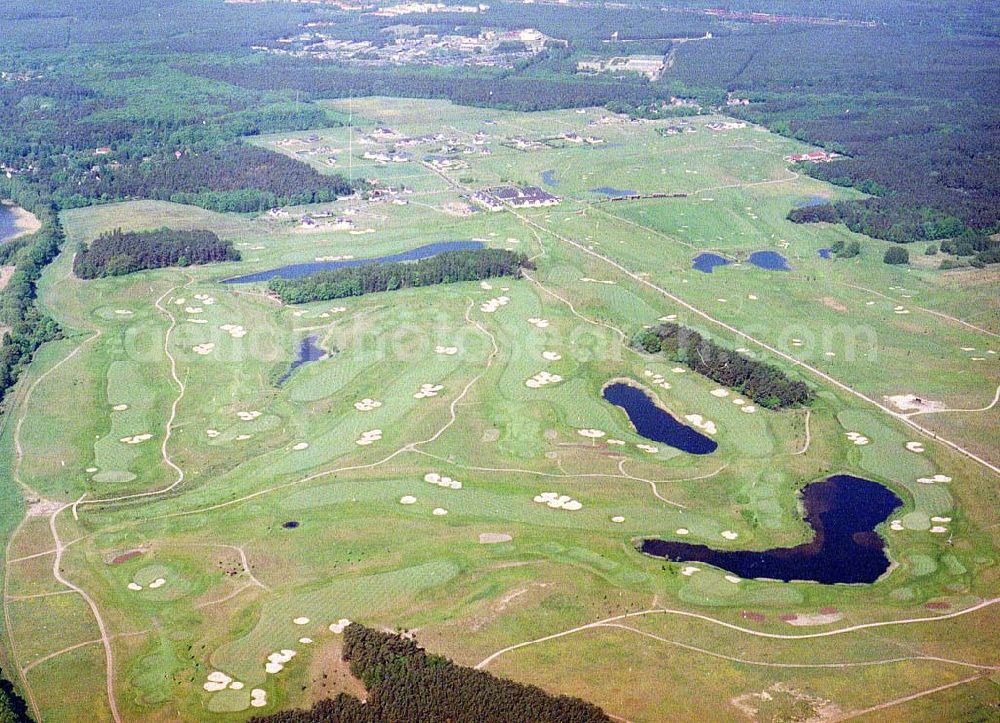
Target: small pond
613,192
308,352
769,260
707,261
843,512
824,254
294,271
549,178
655,423
8,224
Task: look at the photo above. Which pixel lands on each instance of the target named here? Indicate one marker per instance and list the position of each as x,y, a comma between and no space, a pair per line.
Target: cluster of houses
496,198
812,157
725,125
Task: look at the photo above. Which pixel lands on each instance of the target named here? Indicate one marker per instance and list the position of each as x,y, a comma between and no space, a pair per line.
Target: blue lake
824,253
308,352
656,424
549,178
294,271
708,261
8,224
613,192
769,260
843,512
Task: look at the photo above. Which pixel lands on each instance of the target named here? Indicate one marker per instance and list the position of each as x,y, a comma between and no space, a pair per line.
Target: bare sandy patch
832,303
913,403
493,538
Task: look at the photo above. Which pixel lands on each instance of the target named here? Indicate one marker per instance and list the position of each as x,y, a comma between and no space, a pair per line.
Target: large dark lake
294,271
842,510
654,423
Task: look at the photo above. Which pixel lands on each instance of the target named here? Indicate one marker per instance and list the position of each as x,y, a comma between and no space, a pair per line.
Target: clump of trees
13,708
767,385
117,253
445,268
845,250
405,683
896,256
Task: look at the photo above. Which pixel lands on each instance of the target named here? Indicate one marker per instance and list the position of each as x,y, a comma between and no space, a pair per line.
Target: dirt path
907,698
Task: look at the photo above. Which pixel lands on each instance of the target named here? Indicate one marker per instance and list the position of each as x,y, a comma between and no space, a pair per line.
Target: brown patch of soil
832,303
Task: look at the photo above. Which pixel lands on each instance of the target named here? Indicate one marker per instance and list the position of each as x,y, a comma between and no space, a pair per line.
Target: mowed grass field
205,502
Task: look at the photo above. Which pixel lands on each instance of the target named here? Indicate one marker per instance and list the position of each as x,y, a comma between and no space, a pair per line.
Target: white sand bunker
618,518
733,579
739,402
235,330
729,534
242,437
558,502
682,531
493,538
748,409
647,448
901,310
276,661
690,570
338,627
858,438
619,442
935,478
203,349
720,393
248,416
551,356
485,286
439,511
193,309
90,469
300,446
448,350
896,526
938,529
197,321
940,519
124,312
301,621
797,342
488,307
119,408
258,697
407,500
706,425
915,446
180,301
588,280
158,582
134,586
136,439
668,317
591,433
542,379
428,390
657,378
752,297
369,437
367,405
678,370
442,481
212,433
306,641
540,323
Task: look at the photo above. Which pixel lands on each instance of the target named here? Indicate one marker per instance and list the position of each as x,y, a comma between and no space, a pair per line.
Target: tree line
448,267
765,384
405,683
116,253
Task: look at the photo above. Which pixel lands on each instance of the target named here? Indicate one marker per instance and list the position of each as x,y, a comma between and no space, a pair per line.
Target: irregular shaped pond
769,260
294,271
613,192
655,423
708,261
824,253
308,352
8,223
842,510
549,178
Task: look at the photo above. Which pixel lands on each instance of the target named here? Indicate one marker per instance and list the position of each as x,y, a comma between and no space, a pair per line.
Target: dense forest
767,385
116,253
448,267
404,683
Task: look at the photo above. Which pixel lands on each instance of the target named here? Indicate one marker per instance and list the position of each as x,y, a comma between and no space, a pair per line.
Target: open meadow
187,509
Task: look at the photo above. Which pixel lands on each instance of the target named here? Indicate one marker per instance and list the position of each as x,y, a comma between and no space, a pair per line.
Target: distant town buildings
649,65
812,157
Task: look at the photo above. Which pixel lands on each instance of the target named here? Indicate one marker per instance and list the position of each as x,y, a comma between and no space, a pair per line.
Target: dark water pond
657,424
707,261
769,260
843,512
294,271
824,253
613,192
308,352
549,178
8,226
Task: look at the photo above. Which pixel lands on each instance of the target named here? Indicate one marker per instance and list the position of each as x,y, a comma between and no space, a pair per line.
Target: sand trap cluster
298,447
369,437
203,349
729,534
647,448
901,310
915,446
205,299
442,481
493,538
248,416
858,438
591,433
338,627
407,500
428,390
258,697
448,350
488,307
657,378
542,379
212,433
706,425
797,342
935,478
119,408
439,512
217,680
136,438
367,405
558,502
720,393
235,330
896,526
690,570
276,661
551,356
539,323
